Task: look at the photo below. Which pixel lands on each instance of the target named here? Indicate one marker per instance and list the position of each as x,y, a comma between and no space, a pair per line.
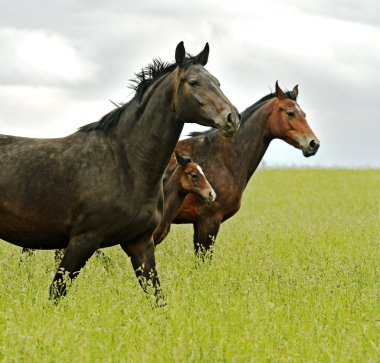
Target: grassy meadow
295,276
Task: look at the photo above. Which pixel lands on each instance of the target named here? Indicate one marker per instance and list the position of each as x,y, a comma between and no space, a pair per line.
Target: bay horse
102,185
230,163
185,178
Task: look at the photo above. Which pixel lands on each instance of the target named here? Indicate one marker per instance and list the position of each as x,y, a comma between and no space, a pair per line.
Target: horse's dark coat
102,185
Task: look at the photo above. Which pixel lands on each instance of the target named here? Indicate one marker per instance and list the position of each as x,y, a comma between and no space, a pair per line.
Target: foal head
193,180
288,122
197,94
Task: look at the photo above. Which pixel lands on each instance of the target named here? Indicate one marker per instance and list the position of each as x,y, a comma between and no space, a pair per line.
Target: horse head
198,97
193,180
288,122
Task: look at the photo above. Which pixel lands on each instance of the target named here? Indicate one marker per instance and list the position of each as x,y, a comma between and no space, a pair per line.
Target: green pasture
295,276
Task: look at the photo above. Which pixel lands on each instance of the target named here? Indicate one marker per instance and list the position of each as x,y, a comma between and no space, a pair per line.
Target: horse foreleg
205,233
78,251
143,261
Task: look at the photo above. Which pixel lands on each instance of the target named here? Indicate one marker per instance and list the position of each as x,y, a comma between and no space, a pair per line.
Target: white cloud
41,58
46,111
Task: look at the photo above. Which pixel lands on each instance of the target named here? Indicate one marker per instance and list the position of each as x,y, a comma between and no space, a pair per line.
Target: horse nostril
230,118
233,118
314,144
211,196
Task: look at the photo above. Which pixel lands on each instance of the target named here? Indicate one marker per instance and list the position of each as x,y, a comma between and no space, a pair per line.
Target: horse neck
173,196
249,145
150,137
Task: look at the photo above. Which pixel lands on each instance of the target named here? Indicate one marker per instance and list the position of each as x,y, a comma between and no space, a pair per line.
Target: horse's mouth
208,199
307,152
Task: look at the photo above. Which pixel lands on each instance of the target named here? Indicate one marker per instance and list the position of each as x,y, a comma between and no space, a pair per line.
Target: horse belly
141,226
31,230
45,240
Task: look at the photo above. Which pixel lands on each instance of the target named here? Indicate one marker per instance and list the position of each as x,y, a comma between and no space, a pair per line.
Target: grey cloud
119,37
365,12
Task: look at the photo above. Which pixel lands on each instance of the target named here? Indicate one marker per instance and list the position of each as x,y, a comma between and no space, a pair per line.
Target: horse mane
107,122
140,83
149,74
247,113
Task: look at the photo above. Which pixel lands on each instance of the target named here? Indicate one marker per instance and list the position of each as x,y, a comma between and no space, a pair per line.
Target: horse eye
290,113
194,176
193,83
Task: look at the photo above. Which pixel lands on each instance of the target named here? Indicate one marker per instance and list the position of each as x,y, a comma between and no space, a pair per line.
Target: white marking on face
200,170
298,108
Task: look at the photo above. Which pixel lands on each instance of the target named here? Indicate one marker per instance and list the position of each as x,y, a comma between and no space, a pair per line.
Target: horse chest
140,225
138,218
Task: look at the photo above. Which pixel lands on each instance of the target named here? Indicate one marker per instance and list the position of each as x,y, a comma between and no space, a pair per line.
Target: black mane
140,83
148,74
153,71
108,121
248,112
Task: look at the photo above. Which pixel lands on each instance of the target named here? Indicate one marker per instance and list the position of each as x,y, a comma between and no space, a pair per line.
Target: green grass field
295,277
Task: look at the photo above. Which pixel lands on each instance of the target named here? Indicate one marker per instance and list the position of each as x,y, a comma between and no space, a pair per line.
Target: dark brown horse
182,178
185,178
102,185
229,163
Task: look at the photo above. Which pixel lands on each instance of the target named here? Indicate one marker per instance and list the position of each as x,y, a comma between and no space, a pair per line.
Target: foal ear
180,54
295,91
279,91
202,57
182,160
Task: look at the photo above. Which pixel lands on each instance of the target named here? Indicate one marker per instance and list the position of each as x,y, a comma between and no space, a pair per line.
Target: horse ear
182,160
279,91
202,57
295,91
180,54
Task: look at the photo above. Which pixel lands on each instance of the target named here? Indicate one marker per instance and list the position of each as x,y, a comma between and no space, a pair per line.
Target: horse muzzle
310,148
231,125
210,197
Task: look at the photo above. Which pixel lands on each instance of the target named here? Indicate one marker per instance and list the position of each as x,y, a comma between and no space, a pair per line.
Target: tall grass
294,277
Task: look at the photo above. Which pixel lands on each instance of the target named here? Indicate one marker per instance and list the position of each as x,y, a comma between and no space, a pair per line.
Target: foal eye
290,113
194,176
193,83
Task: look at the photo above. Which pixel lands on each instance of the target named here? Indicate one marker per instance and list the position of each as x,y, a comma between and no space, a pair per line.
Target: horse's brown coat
181,179
229,163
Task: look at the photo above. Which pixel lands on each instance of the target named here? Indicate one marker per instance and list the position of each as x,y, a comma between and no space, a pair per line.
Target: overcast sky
62,61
